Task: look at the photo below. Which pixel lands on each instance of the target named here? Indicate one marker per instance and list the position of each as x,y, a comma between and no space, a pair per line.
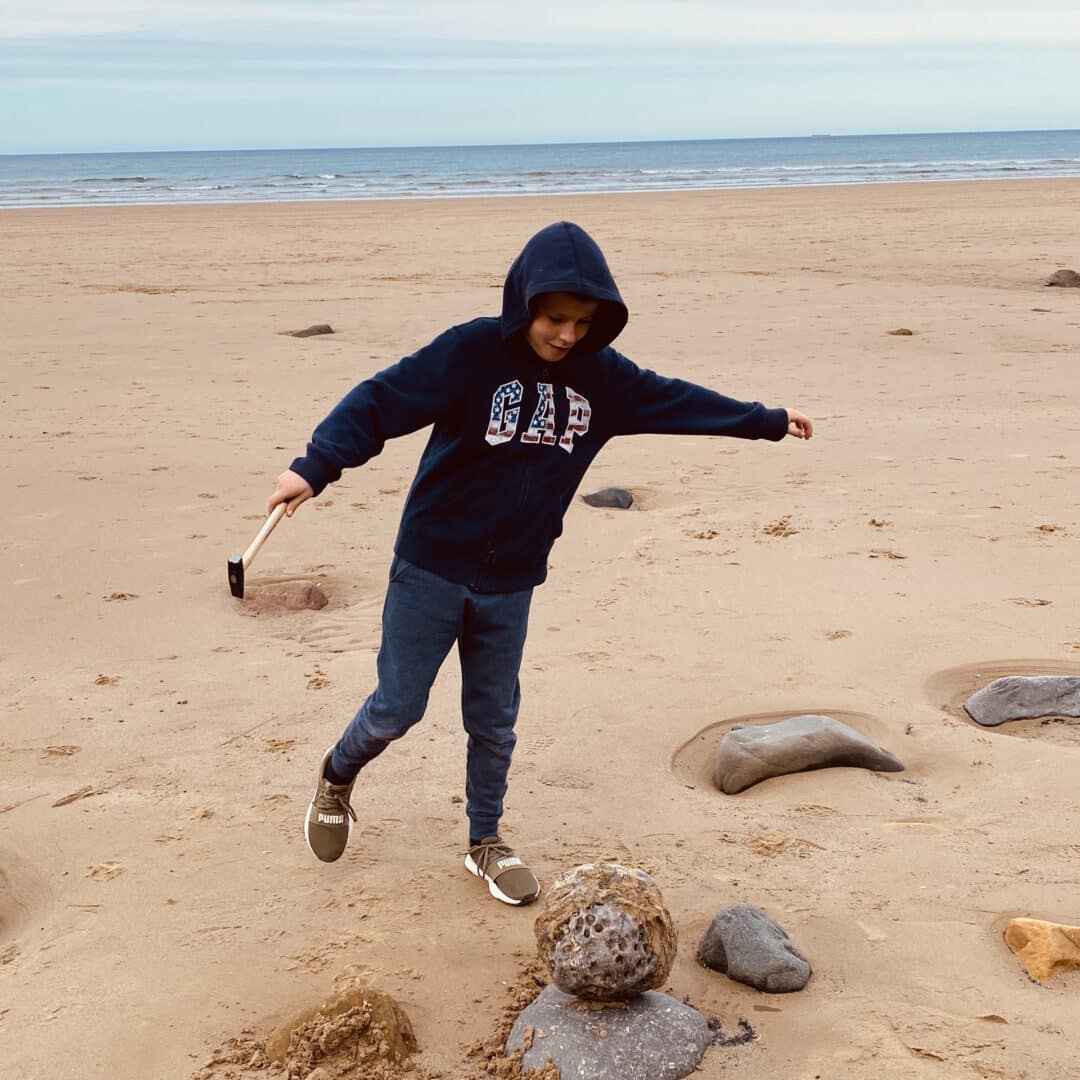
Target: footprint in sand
105,871
25,900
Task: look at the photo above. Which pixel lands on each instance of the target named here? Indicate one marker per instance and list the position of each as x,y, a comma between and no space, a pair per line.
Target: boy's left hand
799,424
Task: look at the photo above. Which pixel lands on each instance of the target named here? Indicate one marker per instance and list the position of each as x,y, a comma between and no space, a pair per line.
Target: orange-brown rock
357,1024
1043,946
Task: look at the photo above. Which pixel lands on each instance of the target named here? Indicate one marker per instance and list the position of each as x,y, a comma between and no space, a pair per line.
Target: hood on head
563,258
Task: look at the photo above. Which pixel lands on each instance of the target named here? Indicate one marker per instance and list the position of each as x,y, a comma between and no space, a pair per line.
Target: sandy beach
158,738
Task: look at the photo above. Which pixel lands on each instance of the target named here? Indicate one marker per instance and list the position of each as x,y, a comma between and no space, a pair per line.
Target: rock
654,1037
614,498
604,933
901,331
1043,946
309,331
357,1024
750,754
283,596
1024,697
1065,279
751,948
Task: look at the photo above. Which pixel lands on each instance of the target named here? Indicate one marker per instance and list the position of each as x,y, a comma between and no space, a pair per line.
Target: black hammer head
236,576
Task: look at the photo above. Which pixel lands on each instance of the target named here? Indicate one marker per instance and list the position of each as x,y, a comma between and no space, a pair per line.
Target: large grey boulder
653,1037
748,946
1024,697
752,753
604,934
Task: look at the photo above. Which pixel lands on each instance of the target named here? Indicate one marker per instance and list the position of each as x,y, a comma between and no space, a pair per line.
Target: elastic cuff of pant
338,776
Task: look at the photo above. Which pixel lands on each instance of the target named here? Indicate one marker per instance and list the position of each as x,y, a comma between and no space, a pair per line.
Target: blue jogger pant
423,615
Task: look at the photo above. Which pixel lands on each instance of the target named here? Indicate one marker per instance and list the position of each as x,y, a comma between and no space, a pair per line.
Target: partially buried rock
310,331
283,596
901,331
1065,279
1024,697
749,947
654,1037
604,933
750,754
357,1025
612,498
1043,946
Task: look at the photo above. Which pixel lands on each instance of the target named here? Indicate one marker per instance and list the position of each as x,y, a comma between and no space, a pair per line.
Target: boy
520,404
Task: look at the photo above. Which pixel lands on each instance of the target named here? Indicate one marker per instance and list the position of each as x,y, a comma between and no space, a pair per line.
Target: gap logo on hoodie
506,413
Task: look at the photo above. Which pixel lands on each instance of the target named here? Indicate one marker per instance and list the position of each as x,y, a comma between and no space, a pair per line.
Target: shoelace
329,799
489,852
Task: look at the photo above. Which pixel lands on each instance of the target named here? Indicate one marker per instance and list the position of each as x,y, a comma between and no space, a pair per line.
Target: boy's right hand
292,489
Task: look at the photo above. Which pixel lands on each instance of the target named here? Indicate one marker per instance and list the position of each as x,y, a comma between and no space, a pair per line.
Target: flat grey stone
1024,697
653,1037
749,947
752,753
613,498
1065,279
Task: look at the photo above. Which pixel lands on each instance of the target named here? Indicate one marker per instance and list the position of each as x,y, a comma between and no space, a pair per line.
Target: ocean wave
115,180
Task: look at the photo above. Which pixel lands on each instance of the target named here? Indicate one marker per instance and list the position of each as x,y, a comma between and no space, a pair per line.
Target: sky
244,74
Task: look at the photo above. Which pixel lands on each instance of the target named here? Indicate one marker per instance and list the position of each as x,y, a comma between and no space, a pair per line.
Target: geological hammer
239,563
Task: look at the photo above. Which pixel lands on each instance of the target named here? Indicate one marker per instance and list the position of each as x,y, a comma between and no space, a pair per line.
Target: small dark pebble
613,498
1064,279
310,331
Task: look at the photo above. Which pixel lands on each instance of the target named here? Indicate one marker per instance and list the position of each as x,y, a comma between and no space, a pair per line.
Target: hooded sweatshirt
512,434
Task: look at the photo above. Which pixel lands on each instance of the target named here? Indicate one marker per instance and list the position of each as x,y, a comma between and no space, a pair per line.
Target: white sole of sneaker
470,865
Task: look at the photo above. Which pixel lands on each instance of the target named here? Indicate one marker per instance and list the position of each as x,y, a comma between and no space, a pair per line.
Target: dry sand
158,740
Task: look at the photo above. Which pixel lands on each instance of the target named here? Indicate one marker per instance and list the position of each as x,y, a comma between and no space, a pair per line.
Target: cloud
563,24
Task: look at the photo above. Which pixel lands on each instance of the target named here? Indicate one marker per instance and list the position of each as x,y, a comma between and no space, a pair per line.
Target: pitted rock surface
1064,279
749,947
1024,697
752,753
653,1037
613,498
1043,946
604,934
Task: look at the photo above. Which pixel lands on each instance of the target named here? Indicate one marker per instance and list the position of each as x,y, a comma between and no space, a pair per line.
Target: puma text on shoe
329,820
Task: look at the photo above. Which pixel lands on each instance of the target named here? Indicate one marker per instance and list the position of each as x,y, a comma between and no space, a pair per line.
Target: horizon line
533,145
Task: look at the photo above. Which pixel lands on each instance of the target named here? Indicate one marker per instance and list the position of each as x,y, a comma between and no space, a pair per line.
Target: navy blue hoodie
513,434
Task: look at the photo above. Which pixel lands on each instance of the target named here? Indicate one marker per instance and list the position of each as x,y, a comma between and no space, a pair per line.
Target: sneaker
330,818
508,878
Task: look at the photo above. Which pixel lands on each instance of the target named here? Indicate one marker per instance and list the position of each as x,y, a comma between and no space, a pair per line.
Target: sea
446,172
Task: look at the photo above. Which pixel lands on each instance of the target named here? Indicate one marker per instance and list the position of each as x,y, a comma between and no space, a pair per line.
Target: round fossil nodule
604,933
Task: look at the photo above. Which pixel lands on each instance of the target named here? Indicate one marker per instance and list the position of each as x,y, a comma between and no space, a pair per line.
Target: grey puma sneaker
508,878
330,818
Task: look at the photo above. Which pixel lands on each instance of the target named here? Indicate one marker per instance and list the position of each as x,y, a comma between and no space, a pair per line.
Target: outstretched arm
410,395
654,404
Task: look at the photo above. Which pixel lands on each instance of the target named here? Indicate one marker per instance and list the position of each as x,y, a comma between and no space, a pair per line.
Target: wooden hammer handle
268,527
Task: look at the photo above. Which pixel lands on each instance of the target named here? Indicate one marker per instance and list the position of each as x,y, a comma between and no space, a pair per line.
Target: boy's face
560,320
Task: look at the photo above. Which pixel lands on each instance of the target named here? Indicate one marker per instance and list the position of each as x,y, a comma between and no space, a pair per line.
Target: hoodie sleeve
653,404
404,398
